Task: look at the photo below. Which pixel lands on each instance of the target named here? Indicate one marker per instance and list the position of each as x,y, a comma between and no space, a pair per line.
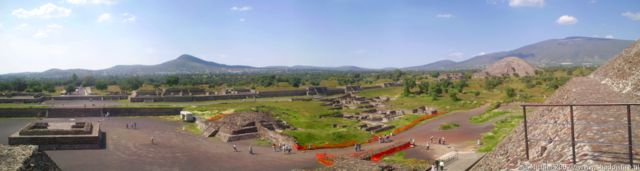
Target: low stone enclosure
247,125
180,96
60,135
88,112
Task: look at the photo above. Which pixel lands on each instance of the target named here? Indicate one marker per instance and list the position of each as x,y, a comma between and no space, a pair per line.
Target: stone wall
105,97
86,112
25,157
282,93
21,100
275,137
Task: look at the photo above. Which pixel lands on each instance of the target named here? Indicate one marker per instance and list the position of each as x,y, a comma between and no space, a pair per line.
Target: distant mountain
184,64
554,52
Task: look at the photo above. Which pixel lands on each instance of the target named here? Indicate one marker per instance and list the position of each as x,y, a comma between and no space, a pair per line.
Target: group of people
384,139
441,140
357,147
132,125
282,147
437,166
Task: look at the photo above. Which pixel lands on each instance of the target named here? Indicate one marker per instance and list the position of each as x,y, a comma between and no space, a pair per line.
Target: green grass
192,128
305,116
388,92
501,129
448,126
22,105
484,117
400,159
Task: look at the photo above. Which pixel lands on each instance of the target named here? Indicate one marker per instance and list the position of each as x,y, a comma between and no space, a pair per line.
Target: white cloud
481,53
97,2
44,33
48,10
567,20
635,16
609,36
526,3
444,15
128,18
242,8
23,26
41,34
54,26
104,18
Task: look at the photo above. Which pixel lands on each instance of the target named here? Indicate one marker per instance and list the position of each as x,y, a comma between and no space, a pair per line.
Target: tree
454,96
295,81
396,75
510,92
88,81
435,74
34,87
49,87
74,79
101,85
70,88
18,85
424,87
172,81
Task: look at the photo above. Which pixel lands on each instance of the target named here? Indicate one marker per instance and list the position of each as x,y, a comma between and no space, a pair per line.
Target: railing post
630,136
573,135
526,134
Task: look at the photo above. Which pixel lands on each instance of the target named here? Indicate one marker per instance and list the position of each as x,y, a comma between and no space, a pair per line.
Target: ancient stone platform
60,135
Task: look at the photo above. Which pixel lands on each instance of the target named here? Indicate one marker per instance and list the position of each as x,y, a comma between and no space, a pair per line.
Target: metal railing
572,123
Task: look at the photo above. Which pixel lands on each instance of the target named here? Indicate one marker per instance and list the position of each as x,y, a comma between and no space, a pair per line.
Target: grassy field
22,105
501,129
482,118
305,116
448,126
400,159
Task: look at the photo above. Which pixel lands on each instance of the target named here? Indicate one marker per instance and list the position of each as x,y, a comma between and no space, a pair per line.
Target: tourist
444,141
235,148
412,142
433,167
309,148
431,139
153,140
127,125
436,164
135,126
355,147
251,149
441,165
274,147
440,140
428,146
478,142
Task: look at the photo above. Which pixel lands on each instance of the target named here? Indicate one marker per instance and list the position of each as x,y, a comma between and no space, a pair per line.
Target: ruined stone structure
247,125
21,98
391,84
235,94
25,157
60,135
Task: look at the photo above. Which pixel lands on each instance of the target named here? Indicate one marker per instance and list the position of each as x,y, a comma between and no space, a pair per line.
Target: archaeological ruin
60,135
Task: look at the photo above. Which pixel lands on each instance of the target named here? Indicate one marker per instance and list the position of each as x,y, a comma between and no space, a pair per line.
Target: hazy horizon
98,34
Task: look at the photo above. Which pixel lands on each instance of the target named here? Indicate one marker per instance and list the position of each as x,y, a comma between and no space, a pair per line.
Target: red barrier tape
325,159
214,118
414,123
378,156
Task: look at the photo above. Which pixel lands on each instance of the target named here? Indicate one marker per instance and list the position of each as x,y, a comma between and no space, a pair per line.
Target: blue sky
96,34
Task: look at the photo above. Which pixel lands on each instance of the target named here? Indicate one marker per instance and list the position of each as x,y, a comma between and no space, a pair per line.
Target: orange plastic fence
378,156
325,159
214,118
414,123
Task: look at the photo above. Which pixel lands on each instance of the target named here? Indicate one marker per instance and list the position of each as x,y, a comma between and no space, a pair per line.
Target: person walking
153,142
431,139
441,165
127,125
428,146
274,147
235,148
135,126
251,149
